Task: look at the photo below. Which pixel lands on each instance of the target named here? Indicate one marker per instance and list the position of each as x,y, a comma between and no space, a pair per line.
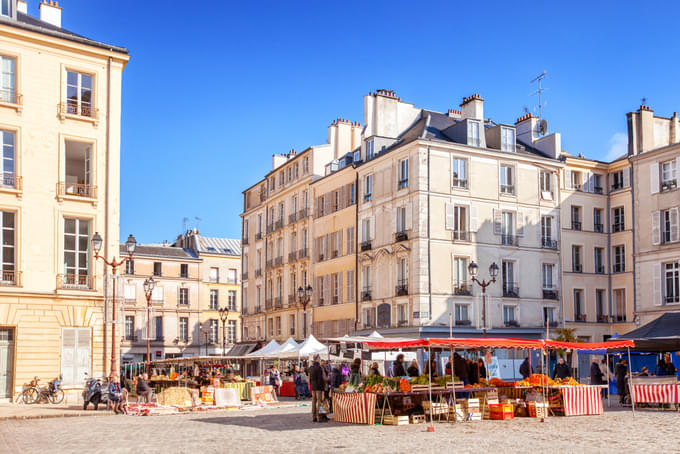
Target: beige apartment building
60,109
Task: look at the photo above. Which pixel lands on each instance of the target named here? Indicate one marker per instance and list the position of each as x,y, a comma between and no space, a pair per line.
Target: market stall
655,390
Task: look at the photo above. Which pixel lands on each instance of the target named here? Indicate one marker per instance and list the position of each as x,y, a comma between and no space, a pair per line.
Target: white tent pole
609,401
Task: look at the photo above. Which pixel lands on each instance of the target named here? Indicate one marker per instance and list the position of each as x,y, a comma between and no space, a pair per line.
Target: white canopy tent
270,347
309,347
288,346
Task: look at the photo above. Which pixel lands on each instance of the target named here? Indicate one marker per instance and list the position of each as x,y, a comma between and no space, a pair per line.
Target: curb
55,415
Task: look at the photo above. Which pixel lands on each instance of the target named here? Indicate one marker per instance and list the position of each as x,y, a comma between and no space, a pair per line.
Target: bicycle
33,393
29,393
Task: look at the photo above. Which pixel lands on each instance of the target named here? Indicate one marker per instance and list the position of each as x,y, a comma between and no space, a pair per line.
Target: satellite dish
542,127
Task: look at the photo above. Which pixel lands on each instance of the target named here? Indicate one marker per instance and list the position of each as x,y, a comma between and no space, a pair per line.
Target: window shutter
656,227
626,177
567,179
497,214
327,252
677,169
372,228
68,355
409,216
339,242
449,216
473,218
658,296
327,288
340,301
520,223
675,234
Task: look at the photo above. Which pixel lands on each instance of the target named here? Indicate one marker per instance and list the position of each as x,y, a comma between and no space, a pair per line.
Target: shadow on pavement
285,422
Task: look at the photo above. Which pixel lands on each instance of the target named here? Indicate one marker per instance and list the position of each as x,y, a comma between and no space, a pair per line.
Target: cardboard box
391,420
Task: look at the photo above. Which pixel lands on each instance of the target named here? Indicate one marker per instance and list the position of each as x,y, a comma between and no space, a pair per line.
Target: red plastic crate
501,411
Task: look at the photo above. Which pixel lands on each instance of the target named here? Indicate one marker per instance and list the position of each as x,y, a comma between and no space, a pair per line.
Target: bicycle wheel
56,397
30,395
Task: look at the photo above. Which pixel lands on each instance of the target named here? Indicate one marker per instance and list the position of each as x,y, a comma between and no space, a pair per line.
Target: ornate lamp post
224,315
304,297
131,245
493,272
149,285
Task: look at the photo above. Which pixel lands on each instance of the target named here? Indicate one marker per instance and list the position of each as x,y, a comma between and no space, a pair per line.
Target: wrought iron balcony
617,227
77,190
547,243
244,241
598,189
366,294
401,236
75,281
278,261
463,322
403,184
303,253
269,264
292,256
507,189
401,288
581,317
511,324
9,96
73,108
510,290
576,225
258,236
599,269
462,289
576,268
292,218
601,318
617,186
10,180
460,183
244,276
302,214
291,300
11,278
278,225
598,228
550,294
460,235
509,240
278,303
365,246
669,185
336,299
258,272
268,304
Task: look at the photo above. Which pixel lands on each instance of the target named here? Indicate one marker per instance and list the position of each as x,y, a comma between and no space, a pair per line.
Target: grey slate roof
161,252
34,24
224,246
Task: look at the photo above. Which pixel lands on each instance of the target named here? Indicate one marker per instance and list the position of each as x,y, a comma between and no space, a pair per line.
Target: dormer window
6,8
473,133
369,149
507,139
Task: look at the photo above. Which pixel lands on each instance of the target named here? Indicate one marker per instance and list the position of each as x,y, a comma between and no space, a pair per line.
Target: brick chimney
472,107
527,128
50,12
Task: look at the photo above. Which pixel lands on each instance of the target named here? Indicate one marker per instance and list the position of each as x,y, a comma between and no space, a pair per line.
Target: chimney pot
50,12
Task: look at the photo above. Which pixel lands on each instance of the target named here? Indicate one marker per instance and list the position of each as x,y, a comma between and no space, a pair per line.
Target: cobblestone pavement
291,430
15,411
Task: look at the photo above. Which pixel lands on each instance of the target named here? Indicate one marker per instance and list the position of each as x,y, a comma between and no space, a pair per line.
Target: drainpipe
356,252
609,251
559,249
632,225
429,245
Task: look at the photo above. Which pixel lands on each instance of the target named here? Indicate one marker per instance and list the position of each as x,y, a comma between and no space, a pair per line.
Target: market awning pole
453,384
429,368
609,401
630,382
544,414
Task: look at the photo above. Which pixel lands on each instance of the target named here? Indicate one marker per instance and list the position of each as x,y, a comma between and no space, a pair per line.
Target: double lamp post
493,272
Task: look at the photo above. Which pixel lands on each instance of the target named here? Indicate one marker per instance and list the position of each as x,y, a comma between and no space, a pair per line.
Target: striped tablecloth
582,400
657,394
356,408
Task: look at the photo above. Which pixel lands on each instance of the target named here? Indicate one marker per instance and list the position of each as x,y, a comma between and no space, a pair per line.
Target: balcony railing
244,276
598,228
509,240
75,281
365,246
366,294
368,197
552,324
672,299
11,97
292,256
270,228
462,289
78,190
258,236
598,189
618,318
669,185
511,324
547,243
303,253
463,322
401,236
403,184
617,227
601,318
258,272
82,110
510,290
460,183
576,225
278,303
244,241
291,300
302,214
268,303
619,268
335,299
460,235
507,189
292,218
401,288
550,294
11,278
278,225
130,338
616,186
269,264
321,300
576,268
599,269
278,261
335,253
580,317
10,180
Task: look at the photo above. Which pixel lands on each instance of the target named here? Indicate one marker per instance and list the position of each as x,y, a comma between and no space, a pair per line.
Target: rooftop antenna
539,79
198,221
643,101
184,225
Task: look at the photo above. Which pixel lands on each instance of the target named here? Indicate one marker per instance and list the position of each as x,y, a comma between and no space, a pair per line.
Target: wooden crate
436,408
395,420
537,409
418,419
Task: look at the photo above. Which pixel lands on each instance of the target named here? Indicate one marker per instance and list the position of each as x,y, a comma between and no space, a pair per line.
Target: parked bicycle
33,393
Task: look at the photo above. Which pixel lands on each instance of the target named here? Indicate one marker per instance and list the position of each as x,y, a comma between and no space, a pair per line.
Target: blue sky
215,88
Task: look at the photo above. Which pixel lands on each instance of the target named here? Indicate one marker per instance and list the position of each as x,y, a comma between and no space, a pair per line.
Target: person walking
562,370
460,368
596,377
355,373
115,395
398,366
525,368
275,379
143,389
317,381
621,372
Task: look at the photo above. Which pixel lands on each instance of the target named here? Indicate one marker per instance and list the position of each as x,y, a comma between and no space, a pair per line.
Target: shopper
473,373
375,370
621,372
525,368
143,389
607,376
275,379
412,370
482,369
336,376
596,377
460,368
562,369
317,380
431,367
115,395
398,366
355,373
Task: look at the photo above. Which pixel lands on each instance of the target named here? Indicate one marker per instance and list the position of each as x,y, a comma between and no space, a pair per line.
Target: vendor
562,370
355,373
398,366
413,369
375,370
431,367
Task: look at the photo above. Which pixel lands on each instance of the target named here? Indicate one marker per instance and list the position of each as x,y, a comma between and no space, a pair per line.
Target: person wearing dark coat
482,369
670,367
336,377
413,369
525,369
562,370
596,375
621,372
318,384
473,374
375,370
460,368
398,366
431,367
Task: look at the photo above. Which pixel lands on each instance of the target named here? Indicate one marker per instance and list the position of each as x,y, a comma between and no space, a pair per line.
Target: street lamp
224,315
130,245
493,272
304,296
149,285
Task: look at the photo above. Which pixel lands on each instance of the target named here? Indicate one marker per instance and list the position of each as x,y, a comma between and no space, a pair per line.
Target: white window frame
545,184
77,269
619,258
8,79
515,313
183,331
507,139
459,173
669,172
458,312
79,106
474,131
548,276
368,187
403,174
507,179
671,275
214,299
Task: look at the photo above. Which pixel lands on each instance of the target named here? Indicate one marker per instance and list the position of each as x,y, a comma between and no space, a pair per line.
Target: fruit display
569,381
498,383
404,385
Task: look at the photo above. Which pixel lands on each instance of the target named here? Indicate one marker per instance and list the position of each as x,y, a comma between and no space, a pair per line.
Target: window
669,226
672,283
231,273
617,180
76,250
129,292
157,295
579,310
158,323
8,159
403,174
576,180
619,222
509,315
184,270
231,331
473,133
258,299
401,220
546,233
366,229
460,284
507,179
130,327
402,314
368,317
214,275
598,225
575,218
7,240
619,307
402,276
214,299
619,259
369,149
508,228
600,305
460,223
598,253
576,262
459,173
336,287
213,331
184,329
352,196
597,181
291,324
270,326
507,139
350,286
548,273
545,181
321,290
669,174
462,313
157,269
183,295
336,201
78,169
79,94
368,187
305,167
6,8
366,278
76,352
350,240
130,267
549,316
510,288
231,300
8,66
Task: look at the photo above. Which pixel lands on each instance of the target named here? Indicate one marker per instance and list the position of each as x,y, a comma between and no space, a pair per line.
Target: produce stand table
356,408
242,387
159,385
656,393
575,400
